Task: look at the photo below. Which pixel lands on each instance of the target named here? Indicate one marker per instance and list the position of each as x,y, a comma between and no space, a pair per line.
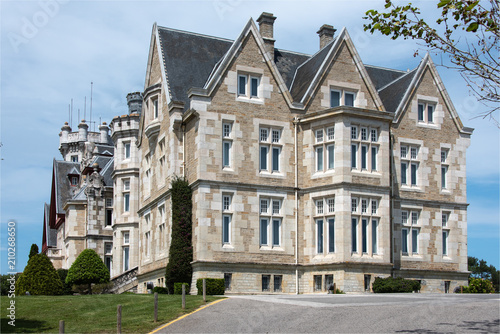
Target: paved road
388,313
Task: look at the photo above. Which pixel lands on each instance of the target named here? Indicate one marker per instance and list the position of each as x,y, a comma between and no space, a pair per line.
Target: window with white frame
324,149
364,225
410,232
126,150
444,168
227,144
446,234
155,108
108,255
271,218
126,251
161,229
227,215
325,225
162,167
270,149
426,112
341,97
364,148
147,244
445,231
126,195
409,155
109,212
248,85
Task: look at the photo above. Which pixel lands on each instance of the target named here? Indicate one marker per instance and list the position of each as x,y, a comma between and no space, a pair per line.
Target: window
444,219
266,280
410,232
126,255
329,282
126,149
270,222
325,225
445,242
108,255
74,180
364,148
155,108
325,149
278,279
270,150
226,219
409,164
318,282
340,97
109,217
226,144
74,158
147,237
444,168
248,86
426,113
227,281
126,195
364,223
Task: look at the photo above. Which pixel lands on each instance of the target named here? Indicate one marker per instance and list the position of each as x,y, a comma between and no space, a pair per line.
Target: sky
52,50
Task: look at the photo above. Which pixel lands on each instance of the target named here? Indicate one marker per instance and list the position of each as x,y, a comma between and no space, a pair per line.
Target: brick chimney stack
326,33
266,27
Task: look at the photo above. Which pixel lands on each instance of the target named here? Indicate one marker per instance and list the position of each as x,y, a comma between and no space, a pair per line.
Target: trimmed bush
88,268
215,286
39,278
181,249
479,285
160,290
178,288
5,283
33,250
66,287
392,285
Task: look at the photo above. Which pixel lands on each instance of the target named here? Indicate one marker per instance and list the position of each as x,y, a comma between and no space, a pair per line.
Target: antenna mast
91,84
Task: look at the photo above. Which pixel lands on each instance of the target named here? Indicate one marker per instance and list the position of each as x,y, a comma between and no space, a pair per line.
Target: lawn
95,313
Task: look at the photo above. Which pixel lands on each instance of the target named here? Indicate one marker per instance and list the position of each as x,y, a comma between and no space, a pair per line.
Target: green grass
95,313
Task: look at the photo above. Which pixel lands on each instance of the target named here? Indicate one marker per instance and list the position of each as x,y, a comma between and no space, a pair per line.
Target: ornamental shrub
160,290
178,288
66,287
181,249
5,283
215,286
39,278
33,250
479,285
88,268
398,284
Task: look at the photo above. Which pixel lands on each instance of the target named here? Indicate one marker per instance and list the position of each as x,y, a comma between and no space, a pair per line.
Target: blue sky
51,51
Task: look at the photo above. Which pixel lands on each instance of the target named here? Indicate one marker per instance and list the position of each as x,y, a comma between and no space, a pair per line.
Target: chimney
325,33
104,131
82,131
266,23
134,102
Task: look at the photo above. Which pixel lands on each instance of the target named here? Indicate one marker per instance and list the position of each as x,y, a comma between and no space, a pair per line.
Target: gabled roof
382,76
392,93
63,189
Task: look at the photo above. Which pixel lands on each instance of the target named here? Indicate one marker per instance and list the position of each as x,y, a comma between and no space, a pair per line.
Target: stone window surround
366,212
271,145
358,143
437,112
327,142
227,212
324,213
418,160
270,215
445,164
359,98
264,86
410,224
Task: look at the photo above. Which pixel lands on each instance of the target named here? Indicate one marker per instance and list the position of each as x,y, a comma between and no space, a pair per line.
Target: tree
179,268
39,277
480,269
33,250
88,268
473,53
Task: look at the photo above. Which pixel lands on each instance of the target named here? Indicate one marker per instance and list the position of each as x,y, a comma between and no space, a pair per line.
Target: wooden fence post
204,291
156,306
183,296
61,326
119,319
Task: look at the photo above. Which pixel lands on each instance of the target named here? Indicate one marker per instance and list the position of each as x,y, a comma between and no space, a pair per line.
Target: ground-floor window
368,279
227,281
318,282
266,280
278,279
328,282
446,286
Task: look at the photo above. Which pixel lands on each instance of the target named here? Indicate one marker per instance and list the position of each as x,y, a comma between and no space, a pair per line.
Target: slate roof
50,233
392,94
62,183
105,149
382,76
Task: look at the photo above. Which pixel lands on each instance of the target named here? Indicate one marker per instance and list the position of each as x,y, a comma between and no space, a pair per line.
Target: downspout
183,151
295,124
391,198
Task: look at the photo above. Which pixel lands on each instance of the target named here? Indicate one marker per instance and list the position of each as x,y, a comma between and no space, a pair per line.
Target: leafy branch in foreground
468,32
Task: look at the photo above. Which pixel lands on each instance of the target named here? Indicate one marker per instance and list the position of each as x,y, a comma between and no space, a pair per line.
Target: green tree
39,277
88,268
33,250
475,56
66,287
179,268
481,269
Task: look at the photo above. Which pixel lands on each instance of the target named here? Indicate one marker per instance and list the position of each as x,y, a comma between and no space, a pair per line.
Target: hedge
178,288
398,284
215,286
160,290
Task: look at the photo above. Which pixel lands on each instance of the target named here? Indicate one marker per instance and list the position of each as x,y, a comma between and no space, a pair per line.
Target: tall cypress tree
179,268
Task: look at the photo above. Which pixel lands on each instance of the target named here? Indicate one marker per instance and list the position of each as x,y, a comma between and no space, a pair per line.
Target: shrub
102,288
181,249
88,268
215,286
33,250
478,285
398,284
5,283
66,287
178,288
39,278
160,290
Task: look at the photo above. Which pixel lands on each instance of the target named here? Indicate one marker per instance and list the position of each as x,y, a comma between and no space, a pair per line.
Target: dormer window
340,97
74,158
73,180
248,86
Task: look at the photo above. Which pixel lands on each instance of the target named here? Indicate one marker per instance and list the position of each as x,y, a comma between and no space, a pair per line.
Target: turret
104,130
82,131
134,102
65,130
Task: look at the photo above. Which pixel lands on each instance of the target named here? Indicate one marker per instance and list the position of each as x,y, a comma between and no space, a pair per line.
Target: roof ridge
197,34
386,68
295,52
